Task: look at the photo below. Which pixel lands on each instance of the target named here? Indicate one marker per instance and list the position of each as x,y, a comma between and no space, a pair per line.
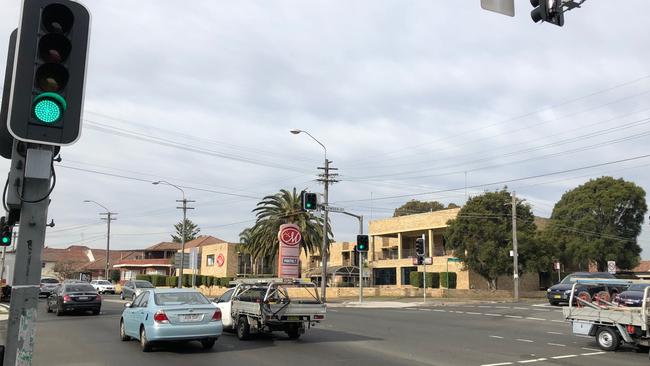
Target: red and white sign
220,260
289,259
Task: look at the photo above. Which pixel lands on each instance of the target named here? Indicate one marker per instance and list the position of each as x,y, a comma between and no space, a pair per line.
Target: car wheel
293,333
144,342
207,344
49,309
123,336
553,303
96,311
608,339
243,329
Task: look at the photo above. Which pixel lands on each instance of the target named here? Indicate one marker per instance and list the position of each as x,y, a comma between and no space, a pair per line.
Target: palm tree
282,208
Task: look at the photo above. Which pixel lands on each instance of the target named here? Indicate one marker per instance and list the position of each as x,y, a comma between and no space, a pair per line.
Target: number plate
293,318
184,318
82,298
558,296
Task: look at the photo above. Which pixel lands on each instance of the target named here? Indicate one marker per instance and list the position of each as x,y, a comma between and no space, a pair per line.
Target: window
210,260
138,299
226,296
180,298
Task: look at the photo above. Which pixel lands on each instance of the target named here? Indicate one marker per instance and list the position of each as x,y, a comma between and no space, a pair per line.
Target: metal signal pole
515,258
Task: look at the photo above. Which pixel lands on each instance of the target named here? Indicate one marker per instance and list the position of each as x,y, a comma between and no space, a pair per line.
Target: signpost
611,267
289,259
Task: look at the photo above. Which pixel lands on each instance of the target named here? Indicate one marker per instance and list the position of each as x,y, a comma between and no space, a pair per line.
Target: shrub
187,280
433,279
452,279
159,280
143,277
115,276
172,281
415,279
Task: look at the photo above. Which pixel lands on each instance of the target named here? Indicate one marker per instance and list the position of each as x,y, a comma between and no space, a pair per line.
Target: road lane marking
460,312
484,306
495,336
533,360
502,307
531,318
564,356
425,309
473,313
440,310
592,353
558,333
524,340
589,349
514,316
558,321
332,310
490,314
556,344
497,364
520,308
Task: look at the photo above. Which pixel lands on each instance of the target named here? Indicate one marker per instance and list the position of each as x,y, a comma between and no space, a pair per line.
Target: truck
610,323
256,306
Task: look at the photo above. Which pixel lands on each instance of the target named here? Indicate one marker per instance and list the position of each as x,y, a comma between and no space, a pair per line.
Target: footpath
409,302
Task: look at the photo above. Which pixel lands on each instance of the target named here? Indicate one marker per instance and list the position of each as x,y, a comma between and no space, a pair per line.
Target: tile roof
71,254
644,266
116,256
144,262
165,245
203,240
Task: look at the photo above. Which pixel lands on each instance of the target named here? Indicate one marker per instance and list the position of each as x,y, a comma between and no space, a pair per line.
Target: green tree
414,207
481,235
597,222
282,208
191,231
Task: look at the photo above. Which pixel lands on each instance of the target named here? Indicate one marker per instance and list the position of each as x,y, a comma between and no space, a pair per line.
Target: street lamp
109,218
184,208
296,131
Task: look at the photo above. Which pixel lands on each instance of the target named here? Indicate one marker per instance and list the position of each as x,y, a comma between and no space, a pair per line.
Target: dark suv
562,291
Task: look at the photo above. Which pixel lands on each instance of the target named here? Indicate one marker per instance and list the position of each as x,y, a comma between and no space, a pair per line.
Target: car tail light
98,298
216,316
319,317
160,317
67,298
630,329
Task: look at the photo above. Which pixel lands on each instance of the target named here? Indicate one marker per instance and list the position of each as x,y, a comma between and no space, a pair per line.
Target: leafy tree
282,208
597,222
481,235
66,269
414,207
191,231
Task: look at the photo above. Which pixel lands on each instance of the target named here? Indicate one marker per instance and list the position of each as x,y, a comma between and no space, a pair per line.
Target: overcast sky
415,99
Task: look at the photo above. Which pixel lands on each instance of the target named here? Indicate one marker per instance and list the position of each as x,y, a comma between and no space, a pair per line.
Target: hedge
452,279
115,276
158,280
433,279
172,281
415,279
143,277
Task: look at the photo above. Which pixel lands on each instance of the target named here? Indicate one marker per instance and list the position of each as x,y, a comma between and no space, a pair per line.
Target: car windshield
103,283
143,284
79,288
180,298
49,280
638,286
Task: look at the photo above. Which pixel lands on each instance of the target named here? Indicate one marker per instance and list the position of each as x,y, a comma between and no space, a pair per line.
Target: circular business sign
290,236
220,260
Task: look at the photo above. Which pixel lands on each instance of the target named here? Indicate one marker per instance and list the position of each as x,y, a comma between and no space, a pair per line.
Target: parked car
157,315
633,296
561,292
74,297
48,284
131,289
103,286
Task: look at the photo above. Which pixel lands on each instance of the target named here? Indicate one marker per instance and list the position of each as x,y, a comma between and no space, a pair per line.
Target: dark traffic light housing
49,71
550,11
5,233
362,243
309,201
419,247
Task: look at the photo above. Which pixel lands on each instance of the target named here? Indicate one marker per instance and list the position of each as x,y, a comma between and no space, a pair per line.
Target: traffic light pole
424,269
21,327
360,218
515,273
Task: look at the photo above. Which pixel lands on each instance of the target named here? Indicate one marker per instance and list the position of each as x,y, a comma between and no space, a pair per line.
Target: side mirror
128,305
216,300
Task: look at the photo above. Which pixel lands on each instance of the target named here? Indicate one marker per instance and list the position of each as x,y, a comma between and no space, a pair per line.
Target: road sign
611,267
334,209
427,260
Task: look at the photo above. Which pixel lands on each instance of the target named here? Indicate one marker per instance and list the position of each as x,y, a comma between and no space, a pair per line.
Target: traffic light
419,247
309,201
362,243
6,230
547,10
48,85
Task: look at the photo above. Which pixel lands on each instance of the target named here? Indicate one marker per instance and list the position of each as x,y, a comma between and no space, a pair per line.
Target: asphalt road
460,335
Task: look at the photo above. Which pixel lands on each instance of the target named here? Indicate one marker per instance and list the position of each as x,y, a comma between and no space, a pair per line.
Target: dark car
561,292
633,296
70,297
48,284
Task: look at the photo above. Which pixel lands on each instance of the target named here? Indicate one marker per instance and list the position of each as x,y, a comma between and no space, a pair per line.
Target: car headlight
548,290
567,292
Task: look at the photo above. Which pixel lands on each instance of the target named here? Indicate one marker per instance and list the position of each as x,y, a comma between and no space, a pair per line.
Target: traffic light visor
48,108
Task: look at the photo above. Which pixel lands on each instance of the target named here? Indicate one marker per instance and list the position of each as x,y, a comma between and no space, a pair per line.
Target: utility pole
326,177
515,259
184,208
109,218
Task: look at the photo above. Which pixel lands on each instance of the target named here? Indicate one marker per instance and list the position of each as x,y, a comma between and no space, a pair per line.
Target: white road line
556,344
457,312
497,364
555,333
484,306
533,360
565,356
502,307
332,310
592,353
497,337
440,310
514,316
524,340
473,313
531,318
489,314
544,310
589,349
558,321
418,309
520,308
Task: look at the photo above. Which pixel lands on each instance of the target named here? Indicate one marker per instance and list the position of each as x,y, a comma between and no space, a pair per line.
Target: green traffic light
5,240
49,107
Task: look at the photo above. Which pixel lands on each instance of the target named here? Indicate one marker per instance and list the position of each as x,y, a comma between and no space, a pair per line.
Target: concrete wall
229,267
527,282
423,221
